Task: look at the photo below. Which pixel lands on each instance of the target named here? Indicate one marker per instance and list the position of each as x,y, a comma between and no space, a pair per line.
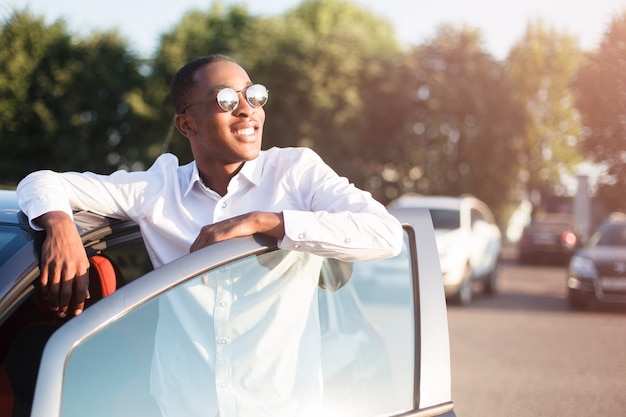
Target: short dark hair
183,81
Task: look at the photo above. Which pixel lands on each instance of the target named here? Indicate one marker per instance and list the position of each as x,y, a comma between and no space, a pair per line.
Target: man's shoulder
292,154
167,169
166,160
167,163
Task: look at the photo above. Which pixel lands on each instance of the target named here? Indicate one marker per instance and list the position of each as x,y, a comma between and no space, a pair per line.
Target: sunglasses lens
257,95
228,99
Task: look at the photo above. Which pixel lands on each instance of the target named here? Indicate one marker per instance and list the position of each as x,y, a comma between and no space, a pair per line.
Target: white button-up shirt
324,215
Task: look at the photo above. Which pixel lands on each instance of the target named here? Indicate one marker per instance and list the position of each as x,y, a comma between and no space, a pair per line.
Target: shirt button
224,204
223,341
297,246
223,304
347,240
223,384
301,236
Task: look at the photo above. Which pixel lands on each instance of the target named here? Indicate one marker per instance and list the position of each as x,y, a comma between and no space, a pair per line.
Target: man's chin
254,155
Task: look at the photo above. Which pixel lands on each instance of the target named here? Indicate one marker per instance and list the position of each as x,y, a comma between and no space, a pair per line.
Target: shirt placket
223,342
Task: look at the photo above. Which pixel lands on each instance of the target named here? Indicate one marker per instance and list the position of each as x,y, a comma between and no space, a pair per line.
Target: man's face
218,136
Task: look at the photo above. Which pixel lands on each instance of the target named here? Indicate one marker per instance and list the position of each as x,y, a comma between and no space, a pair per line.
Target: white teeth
246,132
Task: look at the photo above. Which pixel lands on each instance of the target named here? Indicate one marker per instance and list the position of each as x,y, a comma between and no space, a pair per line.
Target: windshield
445,218
11,240
611,235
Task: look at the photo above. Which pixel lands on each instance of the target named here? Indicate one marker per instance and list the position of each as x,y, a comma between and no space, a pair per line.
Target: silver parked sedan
380,357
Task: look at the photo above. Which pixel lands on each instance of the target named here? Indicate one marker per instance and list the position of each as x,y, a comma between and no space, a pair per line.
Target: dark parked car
597,272
550,237
378,359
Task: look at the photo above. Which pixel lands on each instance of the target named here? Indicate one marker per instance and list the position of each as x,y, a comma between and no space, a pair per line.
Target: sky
502,22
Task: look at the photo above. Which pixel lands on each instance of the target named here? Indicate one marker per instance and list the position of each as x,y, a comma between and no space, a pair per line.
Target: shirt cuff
300,227
36,207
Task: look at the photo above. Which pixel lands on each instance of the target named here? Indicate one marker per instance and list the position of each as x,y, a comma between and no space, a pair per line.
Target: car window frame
97,233
73,332
136,293
425,401
433,363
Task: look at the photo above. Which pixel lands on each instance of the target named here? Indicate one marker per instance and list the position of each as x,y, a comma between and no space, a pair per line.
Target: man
231,189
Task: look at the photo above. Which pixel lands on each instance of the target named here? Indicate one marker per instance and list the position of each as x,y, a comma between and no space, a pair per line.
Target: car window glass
613,235
445,219
130,258
367,340
386,298
11,239
477,216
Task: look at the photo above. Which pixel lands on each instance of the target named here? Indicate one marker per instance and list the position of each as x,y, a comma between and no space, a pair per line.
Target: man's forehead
222,74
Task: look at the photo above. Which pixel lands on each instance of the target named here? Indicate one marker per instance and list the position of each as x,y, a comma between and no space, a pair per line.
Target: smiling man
231,189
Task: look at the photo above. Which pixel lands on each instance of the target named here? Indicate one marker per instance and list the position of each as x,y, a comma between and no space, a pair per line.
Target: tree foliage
542,66
324,52
443,117
312,59
460,130
219,30
67,103
601,87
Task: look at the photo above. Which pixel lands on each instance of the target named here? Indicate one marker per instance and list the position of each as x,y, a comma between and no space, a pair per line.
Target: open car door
384,343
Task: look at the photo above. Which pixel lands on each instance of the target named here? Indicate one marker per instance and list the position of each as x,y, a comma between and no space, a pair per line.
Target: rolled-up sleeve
41,192
345,235
336,219
115,195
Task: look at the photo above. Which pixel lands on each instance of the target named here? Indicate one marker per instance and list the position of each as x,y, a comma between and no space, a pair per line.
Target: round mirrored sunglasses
228,98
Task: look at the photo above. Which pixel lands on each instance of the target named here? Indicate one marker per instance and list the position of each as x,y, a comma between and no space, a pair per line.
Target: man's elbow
397,241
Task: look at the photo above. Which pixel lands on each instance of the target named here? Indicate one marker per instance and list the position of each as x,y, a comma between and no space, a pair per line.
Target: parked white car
468,240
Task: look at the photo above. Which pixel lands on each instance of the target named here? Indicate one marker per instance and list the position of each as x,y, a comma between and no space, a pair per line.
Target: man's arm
64,265
266,223
331,217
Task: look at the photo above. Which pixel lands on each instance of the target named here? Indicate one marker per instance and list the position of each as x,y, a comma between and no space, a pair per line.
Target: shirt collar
251,171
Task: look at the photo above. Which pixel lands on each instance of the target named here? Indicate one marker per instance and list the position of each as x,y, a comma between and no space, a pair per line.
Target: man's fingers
63,261
81,292
223,230
74,287
43,277
197,244
49,274
65,294
53,295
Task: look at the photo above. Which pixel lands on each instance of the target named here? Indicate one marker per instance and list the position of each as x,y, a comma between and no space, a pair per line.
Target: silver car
379,358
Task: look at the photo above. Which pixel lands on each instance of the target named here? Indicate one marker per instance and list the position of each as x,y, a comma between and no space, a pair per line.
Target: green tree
601,87
220,30
314,60
67,103
461,124
24,42
318,66
542,66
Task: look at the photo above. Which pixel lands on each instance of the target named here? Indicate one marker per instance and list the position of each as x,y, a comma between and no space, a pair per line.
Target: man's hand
64,264
270,224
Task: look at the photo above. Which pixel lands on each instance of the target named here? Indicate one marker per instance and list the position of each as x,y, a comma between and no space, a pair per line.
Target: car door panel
98,363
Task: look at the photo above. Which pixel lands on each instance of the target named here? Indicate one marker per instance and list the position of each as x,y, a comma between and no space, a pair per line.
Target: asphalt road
522,353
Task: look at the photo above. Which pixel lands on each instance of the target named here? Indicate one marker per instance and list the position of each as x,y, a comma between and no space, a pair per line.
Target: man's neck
218,181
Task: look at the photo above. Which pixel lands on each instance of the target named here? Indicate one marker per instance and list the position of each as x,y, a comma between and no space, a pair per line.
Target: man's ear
184,125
